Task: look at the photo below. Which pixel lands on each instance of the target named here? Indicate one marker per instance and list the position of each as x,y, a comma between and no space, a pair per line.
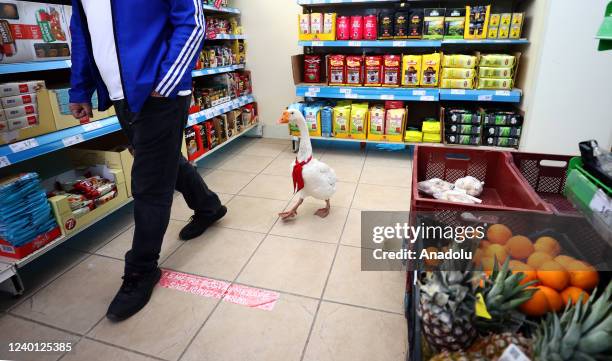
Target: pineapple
488,348
583,332
503,294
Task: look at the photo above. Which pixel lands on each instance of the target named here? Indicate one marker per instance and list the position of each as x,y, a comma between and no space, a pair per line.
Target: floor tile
265,149
342,198
307,225
163,328
215,160
246,163
270,186
101,233
280,166
228,182
352,230
219,253
345,172
389,159
95,351
182,212
376,289
252,214
237,333
289,265
15,329
70,302
381,198
123,243
346,333
386,176
355,158
283,141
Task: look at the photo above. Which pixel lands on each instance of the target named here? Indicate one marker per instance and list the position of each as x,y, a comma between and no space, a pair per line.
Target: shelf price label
502,93
4,162
75,139
457,91
311,94
23,145
316,43
400,44
387,97
91,126
351,96
314,89
485,97
354,43
417,93
427,98
345,90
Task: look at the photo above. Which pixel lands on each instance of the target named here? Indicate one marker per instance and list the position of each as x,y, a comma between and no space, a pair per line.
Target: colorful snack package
341,120
458,73
413,135
105,198
497,60
411,70
459,61
433,23
337,70
356,27
373,70
394,122
312,68
304,20
328,23
386,24
326,121
391,70
457,83
370,27
377,120
430,69
432,138
487,72
359,113
454,23
343,28
312,115
354,70
500,84
316,23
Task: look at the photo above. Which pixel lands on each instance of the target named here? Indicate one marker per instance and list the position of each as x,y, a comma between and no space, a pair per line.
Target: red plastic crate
546,174
504,188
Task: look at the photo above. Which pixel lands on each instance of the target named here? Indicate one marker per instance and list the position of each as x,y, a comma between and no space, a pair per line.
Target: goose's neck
305,150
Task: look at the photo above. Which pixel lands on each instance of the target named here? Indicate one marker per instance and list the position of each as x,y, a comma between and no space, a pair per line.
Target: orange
555,302
563,259
573,293
547,245
499,233
484,244
537,305
496,251
519,247
537,258
553,275
529,272
582,275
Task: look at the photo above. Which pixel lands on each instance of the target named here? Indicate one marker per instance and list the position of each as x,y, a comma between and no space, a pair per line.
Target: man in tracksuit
138,55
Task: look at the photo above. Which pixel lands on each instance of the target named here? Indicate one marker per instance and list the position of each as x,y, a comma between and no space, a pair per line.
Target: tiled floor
328,308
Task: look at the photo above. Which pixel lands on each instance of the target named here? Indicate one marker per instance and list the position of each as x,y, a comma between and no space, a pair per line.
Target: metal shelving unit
417,43
210,113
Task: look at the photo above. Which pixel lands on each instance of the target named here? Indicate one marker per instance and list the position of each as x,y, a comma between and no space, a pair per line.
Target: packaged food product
477,21
18,100
341,120
411,70
312,115
377,120
502,118
431,126
395,121
370,27
80,212
354,70
76,201
489,83
373,70
494,20
461,116
304,20
462,139
401,25
386,28
517,19
458,73
359,113
18,88
105,198
434,185
502,141
497,60
459,61
312,68
415,24
343,28
413,136
3,126
337,70
22,122
503,32
493,32
326,121
20,111
391,70
467,129
191,141
356,27
513,132
433,23
430,69
394,104
432,137
316,23
488,72
454,23
515,32
93,187
329,23
505,19
457,83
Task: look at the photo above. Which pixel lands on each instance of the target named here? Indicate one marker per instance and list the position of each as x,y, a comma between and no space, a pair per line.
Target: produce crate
546,174
504,188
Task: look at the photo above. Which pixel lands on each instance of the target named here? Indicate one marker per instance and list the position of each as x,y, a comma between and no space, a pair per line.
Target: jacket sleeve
187,19
82,83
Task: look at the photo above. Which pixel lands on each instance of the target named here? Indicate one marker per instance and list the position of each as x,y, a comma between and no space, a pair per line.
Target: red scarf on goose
298,180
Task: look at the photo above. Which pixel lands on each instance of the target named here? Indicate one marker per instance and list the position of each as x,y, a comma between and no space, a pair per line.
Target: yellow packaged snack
457,83
341,120
395,122
493,32
499,84
413,136
357,127
487,72
411,70
505,19
497,60
432,138
431,126
430,70
515,32
458,73
459,61
312,115
376,120
494,20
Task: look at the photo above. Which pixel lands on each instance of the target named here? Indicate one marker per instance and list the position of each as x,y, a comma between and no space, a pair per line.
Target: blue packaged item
326,121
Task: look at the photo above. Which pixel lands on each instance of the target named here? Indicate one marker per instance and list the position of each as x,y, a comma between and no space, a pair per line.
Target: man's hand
155,94
81,111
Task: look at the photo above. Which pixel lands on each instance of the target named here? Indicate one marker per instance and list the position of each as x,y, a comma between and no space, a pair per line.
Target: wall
272,37
572,89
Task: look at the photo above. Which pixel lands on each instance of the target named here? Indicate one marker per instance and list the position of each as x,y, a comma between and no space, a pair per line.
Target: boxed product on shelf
463,129
26,220
433,23
413,135
503,131
234,117
497,60
457,73
411,70
54,104
211,133
18,100
501,142
218,56
476,21
317,26
430,70
504,25
497,71
432,138
415,24
15,124
461,116
454,23
19,111
303,26
391,70
373,70
502,118
216,26
386,24
516,25
463,139
193,142
336,69
487,72
81,196
20,88
34,31
354,70
432,130
494,22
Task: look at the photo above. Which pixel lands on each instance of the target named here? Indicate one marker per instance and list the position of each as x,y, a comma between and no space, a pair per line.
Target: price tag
457,91
351,96
400,44
316,43
311,94
486,97
4,162
503,93
387,97
345,90
314,89
427,98
91,126
354,43
23,145
418,92
191,121
75,139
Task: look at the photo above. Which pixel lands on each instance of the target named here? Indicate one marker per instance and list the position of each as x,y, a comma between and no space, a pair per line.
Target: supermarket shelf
324,2
213,8
248,129
409,43
34,66
371,93
506,96
7,271
47,143
227,37
210,113
217,70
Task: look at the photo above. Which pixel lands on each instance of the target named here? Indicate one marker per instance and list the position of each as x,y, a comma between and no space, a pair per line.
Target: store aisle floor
328,309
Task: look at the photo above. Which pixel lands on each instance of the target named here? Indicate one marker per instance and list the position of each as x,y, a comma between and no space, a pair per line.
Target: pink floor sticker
206,287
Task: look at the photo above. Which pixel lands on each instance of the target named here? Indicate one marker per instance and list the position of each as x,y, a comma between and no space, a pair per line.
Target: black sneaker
198,224
133,295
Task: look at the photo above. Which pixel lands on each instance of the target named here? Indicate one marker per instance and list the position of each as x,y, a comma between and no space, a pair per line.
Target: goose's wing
319,176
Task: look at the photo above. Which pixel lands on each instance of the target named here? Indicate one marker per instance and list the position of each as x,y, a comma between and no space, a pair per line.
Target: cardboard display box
50,107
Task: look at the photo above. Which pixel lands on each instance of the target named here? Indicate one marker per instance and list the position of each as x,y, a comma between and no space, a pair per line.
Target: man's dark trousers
156,134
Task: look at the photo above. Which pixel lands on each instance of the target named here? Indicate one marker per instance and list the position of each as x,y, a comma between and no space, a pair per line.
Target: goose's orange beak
284,119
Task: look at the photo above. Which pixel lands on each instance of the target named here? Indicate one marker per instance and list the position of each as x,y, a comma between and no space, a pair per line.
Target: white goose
316,179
